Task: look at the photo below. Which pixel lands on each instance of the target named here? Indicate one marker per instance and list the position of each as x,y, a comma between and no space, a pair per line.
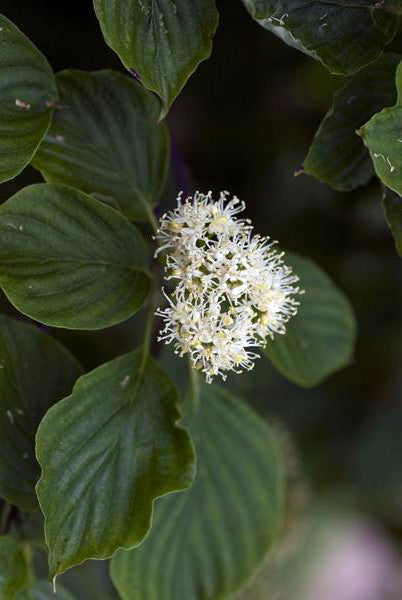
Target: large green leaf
320,339
107,451
392,203
383,137
105,139
162,40
68,260
337,155
28,95
35,373
207,541
13,569
344,35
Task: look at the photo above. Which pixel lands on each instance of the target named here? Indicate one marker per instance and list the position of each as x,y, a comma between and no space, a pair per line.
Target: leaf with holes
68,260
28,95
383,137
14,574
320,339
207,541
392,204
337,155
106,452
162,41
345,36
35,373
105,139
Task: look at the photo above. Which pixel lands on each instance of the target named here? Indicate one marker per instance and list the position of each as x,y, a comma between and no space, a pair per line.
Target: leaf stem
149,321
195,385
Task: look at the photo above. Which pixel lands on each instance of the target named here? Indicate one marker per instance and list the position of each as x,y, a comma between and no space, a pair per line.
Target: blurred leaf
320,339
28,94
392,203
13,569
162,41
43,590
378,466
345,35
68,260
90,581
383,137
105,139
106,452
207,541
337,155
35,372
264,585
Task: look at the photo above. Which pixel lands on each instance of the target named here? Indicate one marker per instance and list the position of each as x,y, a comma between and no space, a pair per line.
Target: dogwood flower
231,291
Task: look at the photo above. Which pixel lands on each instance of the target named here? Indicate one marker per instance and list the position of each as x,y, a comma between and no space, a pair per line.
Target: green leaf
35,373
107,451
163,41
68,260
13,569
392,204
207,541
320,339
105,139
383,137
337,155
344,35
28,95
43,590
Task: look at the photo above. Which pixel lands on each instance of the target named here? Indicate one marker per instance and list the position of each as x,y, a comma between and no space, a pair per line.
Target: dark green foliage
320,339
28,96
337,154
35,373
205,542
162,41
186,508
105,139
69,260
344,36
106,452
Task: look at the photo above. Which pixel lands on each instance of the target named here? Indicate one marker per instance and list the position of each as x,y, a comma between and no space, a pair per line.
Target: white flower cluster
232,289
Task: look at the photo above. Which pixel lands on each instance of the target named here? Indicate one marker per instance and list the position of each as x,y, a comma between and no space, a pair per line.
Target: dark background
244,123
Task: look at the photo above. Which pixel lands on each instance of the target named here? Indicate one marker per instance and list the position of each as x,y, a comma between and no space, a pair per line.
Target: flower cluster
232,289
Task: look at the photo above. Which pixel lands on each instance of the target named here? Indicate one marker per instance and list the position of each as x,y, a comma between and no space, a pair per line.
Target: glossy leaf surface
68,260
163,41
106,452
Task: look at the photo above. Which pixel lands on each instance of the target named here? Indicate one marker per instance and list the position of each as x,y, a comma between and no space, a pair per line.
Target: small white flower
232,288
